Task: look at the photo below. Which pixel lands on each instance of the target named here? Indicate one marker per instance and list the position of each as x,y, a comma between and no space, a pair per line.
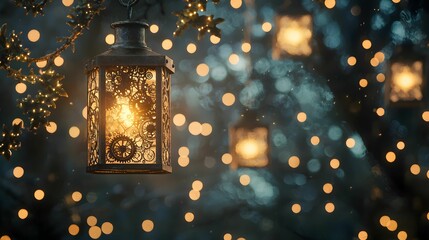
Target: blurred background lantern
294,32
129,105
406,76
249,142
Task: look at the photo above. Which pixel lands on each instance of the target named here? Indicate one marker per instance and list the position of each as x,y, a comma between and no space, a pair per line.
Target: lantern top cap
130,24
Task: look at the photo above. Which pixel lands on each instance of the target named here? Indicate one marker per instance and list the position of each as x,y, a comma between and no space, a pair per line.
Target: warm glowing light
179,119
400,145
246,47
390,157
379,56
363,235
384,221
85,112
22,213
33,35
245,179
51,127
236,3
363,83
425,116
74,132
392,226
206,129
380,77
41,64
366,44
107,228
17,121
228,99
234,59
396,1
191,48
406,81
167,44
197,185
110,39
91,221
301,117
226,158
76,196
248,148
380,112
203,69
59,61
194,195
374,62
195,128
328,188
293,36
296,208
351,61
330,4
20,88
266,26
334,163
18,172
315,140
227,236
68,3
73,229
39,194
183,161
154,28
350,143
294,161
183,151
402,235
329,207
189,217
94,232
415,169
214,39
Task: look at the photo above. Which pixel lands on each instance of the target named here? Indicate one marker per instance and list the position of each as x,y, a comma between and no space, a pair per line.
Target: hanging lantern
294,32
406,77
249,142
129,106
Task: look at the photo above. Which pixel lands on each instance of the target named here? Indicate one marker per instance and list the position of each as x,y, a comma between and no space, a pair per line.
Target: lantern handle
129,5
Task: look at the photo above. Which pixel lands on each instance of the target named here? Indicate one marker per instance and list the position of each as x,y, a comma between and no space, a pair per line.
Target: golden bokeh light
68,3
59,61
17,121
20,88
74,229
107,228
76,196
363,82
194,195
183,161
390,157
39,194
195,128
293,36
406,81
183,151
266,26
191,48
189,217
33,35
334,163
110,39
51,127
94,232
363,235
330,4
154,28
296,208
392,226
23,213
366,44
197,185
301,117
234,59
374,62
246,47
384,221
329,207
396,1
328,188
206,129
91,221
85,112
227,236
402,235
74,132
350,143
250,148
226,158
42,64
379,56
236,3
380,111
214,39
425,116
294,161
400,145
245,179
228,99
179,119
18,172
415,169
351,61
202,69
5,237
167,44
380,77
315,140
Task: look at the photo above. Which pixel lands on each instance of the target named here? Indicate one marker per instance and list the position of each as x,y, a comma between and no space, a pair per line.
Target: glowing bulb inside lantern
294,36
407,81
250,148
125,114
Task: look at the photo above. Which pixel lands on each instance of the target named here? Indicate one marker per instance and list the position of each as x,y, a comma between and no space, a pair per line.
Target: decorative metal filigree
131,114
166,134
93,116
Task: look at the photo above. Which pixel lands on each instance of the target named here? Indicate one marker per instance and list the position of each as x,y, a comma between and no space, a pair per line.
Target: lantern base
129,169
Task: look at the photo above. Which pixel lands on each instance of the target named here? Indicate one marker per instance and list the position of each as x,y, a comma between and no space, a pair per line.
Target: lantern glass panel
293,36
93,116
249,147
406,81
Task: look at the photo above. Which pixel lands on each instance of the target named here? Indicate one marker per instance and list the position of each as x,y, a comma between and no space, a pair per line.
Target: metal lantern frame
249,125
126,58
294,11
406,55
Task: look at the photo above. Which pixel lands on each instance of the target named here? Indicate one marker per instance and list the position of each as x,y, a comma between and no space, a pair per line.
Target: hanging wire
129,5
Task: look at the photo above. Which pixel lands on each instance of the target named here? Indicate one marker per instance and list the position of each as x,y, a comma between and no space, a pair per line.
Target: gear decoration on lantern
122,148
148,130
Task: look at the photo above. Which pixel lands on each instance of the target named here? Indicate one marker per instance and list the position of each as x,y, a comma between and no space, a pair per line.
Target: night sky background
371,198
